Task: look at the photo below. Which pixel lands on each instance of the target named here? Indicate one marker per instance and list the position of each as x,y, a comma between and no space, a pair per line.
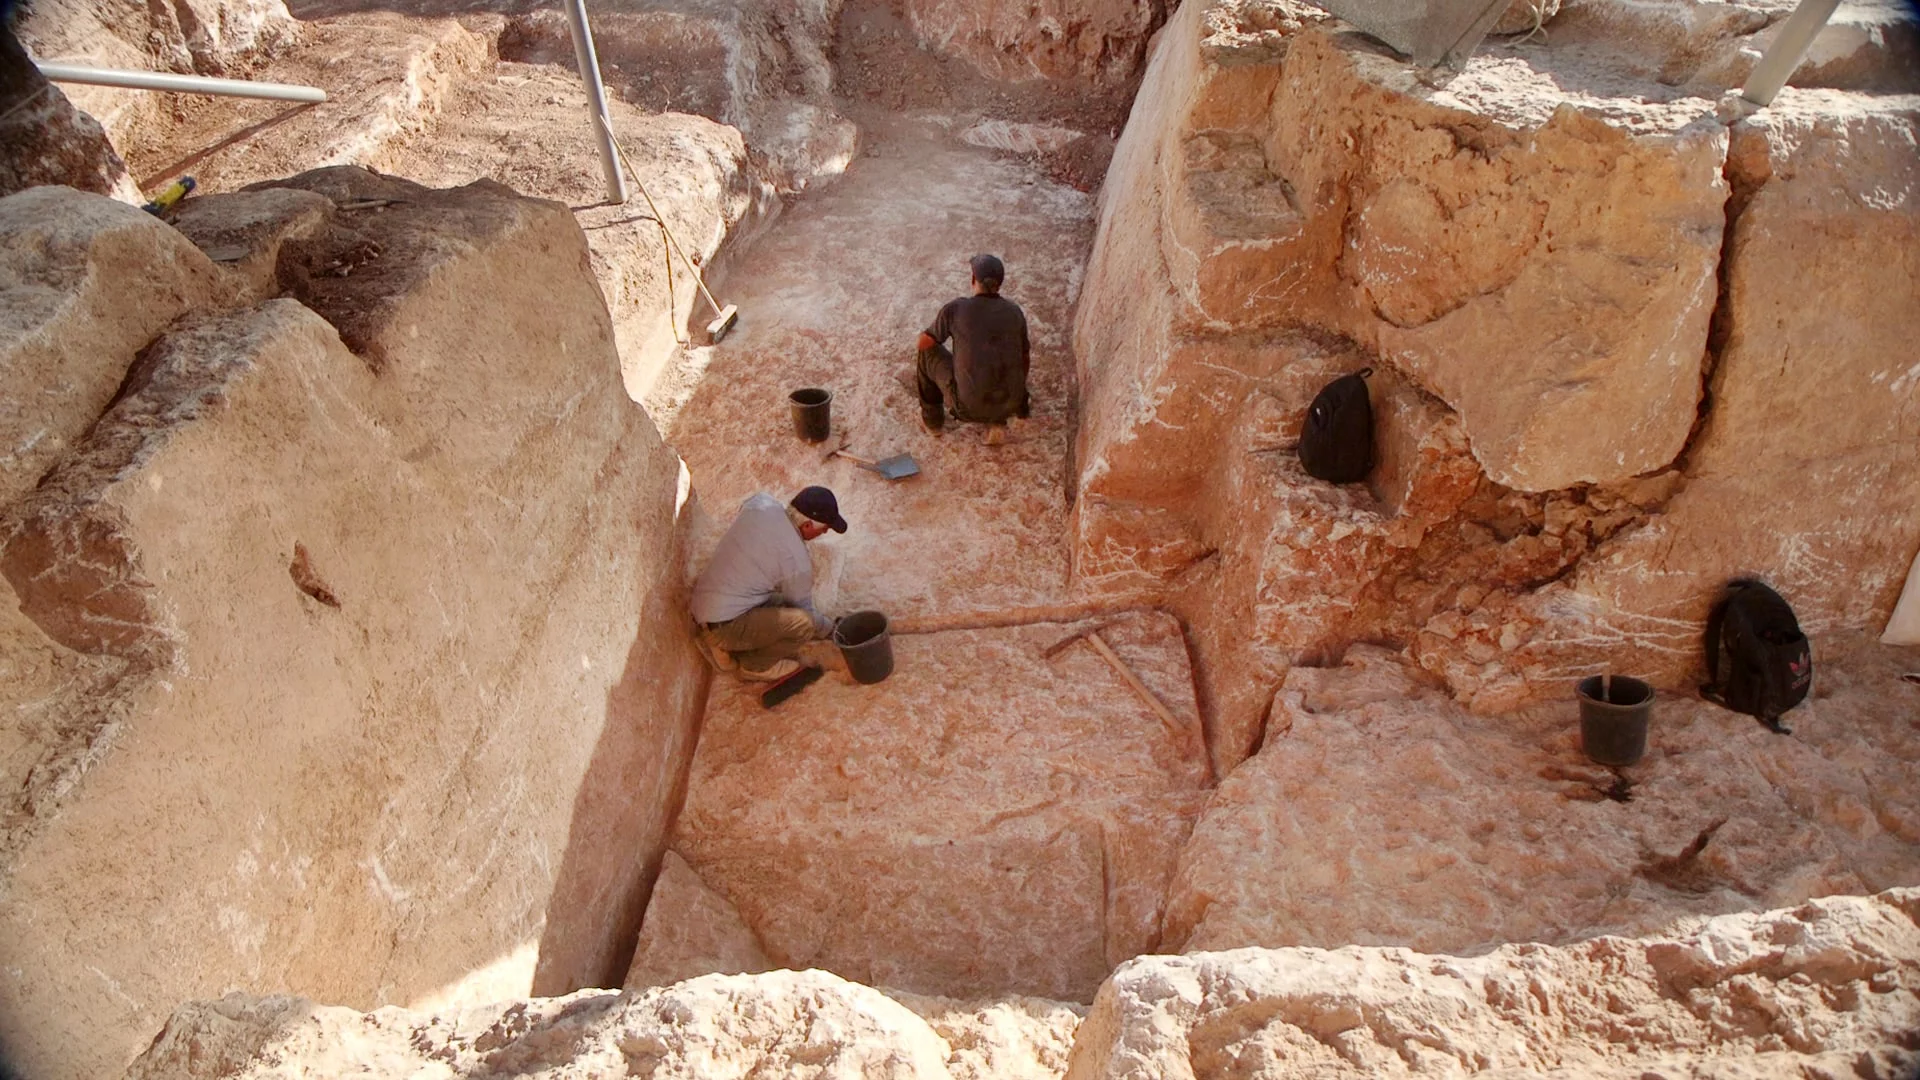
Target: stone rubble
1100,42
784,1023
1828,988
1831,987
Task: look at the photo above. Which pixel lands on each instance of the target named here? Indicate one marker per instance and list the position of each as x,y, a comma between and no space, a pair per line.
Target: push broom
729,314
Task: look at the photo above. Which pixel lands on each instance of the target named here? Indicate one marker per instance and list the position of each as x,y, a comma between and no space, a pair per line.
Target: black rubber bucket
866,645
1613,718
812,413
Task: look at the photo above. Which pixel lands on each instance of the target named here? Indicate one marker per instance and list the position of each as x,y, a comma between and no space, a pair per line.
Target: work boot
780,669
717,658
996,434
823,654
933,418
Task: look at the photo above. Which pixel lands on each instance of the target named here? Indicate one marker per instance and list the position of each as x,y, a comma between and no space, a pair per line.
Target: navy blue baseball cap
818,504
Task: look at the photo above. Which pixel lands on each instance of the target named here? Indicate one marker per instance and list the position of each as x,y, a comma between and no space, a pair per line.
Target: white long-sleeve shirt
760,560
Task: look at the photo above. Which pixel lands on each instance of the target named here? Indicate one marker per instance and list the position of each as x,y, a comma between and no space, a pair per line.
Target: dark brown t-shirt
989,355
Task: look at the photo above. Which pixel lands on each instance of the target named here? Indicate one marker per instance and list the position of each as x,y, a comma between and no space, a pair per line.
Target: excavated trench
989,820
1155,690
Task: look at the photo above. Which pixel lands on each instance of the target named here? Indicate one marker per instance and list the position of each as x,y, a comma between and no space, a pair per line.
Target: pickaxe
1092,633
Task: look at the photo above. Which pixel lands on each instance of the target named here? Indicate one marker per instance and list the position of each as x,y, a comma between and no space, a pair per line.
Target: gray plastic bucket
812,413
1613,719
866,645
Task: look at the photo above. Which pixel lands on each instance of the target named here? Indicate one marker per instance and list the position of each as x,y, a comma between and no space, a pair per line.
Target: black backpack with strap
1757,658
1336,442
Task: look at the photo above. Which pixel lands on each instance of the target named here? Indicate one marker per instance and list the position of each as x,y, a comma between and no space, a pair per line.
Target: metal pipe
1787,50
179,84
589,65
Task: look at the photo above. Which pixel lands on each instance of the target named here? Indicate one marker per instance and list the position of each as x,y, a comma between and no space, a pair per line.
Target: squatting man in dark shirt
983,379
754,601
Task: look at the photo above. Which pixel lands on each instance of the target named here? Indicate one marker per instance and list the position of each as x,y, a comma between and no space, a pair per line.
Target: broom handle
656,213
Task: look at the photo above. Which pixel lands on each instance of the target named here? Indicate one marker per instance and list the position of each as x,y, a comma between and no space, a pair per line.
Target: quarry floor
833,297
989,819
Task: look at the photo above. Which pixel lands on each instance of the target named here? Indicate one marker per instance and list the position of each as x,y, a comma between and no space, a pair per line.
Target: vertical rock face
689,931
70,325
761,67
192,37
44,139
330,596
1827,987
1457,232
1099,42
1803,471
1582,375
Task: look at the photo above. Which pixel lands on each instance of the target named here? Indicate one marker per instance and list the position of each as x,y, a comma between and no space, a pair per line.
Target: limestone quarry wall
1611,332
47,140
1077,43
343,631
190,37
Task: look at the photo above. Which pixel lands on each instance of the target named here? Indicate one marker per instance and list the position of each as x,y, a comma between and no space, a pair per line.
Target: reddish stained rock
1100,42
1534,245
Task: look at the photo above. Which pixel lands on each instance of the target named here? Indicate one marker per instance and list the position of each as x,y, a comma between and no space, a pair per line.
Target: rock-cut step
987,820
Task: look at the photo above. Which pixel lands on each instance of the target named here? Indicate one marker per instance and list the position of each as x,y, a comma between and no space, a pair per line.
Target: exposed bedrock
1824,988
1595,401
1803,470
70,326
1378,811
44,139
987,820
191,37
1084,43
761,66
410,487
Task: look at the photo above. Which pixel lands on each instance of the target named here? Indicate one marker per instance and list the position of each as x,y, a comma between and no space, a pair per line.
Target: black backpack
1336,442
1756,655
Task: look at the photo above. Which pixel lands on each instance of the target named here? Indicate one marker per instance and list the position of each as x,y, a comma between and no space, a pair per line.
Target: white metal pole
179,84
1787,50
589,65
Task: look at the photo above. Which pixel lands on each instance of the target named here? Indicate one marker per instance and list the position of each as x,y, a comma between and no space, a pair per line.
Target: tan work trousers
764,636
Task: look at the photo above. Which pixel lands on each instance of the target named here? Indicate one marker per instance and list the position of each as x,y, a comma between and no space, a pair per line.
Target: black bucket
812,413
1613,718
864,641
